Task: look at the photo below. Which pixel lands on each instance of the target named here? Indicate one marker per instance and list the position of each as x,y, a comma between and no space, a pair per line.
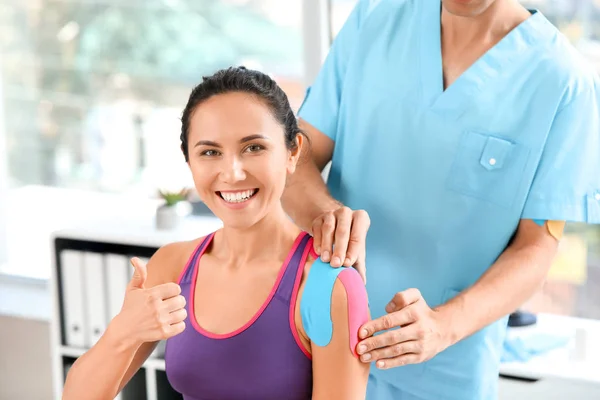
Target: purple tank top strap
188,271
295,263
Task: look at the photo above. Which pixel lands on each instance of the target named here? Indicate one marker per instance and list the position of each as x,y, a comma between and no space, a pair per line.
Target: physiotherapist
463,135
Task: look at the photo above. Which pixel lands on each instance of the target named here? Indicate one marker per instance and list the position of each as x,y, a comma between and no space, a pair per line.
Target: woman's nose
233,171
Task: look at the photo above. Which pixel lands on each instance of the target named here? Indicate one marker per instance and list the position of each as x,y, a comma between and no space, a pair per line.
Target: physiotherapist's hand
347,230
149,315
422,333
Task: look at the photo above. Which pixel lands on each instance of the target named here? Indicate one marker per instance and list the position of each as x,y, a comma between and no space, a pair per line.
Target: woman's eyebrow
253,137
207,143
242,140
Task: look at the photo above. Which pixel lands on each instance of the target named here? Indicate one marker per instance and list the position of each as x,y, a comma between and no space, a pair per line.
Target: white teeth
237,197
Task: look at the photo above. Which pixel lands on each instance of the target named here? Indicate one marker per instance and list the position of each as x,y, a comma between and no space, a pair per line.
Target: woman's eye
209,153
253,148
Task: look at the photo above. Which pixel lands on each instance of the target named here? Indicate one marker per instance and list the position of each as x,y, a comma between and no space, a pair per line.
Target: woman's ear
295,154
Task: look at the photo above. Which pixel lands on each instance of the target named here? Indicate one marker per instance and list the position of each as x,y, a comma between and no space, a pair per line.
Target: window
93,89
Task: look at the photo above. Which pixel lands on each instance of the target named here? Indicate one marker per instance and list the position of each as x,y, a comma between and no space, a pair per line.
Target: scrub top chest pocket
488,168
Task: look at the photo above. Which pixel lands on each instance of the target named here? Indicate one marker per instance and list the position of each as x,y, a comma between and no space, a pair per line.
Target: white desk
569,372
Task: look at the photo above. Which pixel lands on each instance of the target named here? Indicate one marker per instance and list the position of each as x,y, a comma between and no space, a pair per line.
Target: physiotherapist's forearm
517,274
306,196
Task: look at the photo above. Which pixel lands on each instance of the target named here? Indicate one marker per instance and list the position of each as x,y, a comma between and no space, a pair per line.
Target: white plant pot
167,217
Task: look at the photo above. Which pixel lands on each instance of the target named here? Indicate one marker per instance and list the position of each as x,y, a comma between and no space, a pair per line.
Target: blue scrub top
446,176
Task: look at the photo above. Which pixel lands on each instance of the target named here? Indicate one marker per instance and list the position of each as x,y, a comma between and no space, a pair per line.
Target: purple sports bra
262,360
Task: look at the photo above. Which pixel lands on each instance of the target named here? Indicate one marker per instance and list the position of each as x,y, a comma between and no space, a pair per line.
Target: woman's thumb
140,274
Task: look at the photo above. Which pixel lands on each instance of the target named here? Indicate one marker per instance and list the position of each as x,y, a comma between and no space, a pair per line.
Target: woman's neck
269,238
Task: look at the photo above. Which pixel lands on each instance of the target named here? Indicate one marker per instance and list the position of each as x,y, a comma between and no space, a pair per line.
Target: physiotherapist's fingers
406,316
387,339
317,227
358,237
140,274
404,359
392,351
395,336
403,299
355,249
327,232
343,217
371,344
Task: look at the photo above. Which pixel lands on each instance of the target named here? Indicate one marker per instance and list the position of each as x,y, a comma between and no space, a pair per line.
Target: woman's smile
237,199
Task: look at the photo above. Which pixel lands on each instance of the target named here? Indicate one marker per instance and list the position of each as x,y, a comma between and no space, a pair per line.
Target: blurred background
91,92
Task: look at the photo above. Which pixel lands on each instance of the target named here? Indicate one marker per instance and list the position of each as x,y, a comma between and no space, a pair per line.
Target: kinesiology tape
315,307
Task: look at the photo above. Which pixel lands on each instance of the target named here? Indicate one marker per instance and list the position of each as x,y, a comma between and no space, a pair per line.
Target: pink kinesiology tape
358,304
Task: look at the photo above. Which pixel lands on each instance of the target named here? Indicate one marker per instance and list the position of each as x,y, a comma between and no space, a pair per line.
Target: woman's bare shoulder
168,262
311,257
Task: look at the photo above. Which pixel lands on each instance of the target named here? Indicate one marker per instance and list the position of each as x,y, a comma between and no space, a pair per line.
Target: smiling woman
242,318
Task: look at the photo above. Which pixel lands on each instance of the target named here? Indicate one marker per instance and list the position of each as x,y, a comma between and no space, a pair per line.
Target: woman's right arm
153,310
338,373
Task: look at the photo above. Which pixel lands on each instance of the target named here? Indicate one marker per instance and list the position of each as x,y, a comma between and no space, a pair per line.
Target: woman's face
238,157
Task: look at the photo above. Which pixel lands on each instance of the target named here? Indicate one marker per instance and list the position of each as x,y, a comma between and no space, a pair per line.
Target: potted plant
168,214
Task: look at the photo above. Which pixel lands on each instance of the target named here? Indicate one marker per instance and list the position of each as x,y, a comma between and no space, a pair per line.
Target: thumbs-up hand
152,314
140,274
